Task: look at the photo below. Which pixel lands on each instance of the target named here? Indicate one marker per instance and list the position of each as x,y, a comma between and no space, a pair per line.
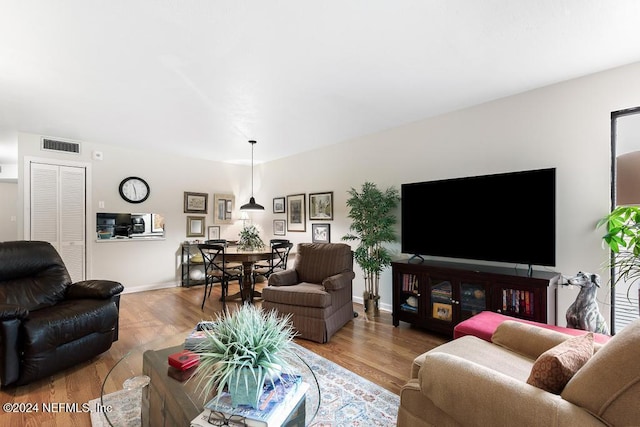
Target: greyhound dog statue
584,313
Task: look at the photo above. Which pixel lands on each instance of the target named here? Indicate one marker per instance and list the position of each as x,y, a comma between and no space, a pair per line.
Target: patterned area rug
346,399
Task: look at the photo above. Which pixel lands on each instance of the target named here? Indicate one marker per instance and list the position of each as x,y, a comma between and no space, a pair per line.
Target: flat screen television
507,217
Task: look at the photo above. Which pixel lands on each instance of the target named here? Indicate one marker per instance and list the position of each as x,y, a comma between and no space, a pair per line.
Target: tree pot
371,307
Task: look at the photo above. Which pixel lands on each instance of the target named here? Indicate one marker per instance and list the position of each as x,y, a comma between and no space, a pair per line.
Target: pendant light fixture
252,205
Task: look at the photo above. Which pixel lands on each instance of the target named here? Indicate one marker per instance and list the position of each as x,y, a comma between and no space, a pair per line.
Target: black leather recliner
47,323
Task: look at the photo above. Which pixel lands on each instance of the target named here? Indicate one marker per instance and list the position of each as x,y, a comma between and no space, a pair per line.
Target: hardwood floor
372,348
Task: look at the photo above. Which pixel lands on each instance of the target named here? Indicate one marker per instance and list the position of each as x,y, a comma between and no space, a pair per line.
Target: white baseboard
130,290
382,306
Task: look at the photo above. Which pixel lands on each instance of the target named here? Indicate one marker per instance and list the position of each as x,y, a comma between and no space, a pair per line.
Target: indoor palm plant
623,238
241,350
250,238
373,218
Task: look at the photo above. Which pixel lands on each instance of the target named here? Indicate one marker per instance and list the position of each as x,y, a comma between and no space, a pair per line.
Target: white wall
140,265
8,211
566,126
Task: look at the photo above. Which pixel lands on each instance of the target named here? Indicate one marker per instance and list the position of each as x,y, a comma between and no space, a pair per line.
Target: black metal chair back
213,257
277,262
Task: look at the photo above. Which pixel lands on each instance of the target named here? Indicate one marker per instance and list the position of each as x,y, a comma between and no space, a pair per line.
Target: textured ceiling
201,77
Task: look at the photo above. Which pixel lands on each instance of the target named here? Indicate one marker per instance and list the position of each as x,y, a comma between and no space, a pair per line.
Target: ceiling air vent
64,146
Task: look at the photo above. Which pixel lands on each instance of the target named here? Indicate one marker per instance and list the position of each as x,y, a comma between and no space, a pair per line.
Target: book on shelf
276,403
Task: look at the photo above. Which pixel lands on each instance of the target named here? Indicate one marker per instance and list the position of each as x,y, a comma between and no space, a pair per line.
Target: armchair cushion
317,261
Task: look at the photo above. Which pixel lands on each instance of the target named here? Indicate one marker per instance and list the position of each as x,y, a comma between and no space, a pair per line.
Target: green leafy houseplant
250,238
372,213
243,348
623,238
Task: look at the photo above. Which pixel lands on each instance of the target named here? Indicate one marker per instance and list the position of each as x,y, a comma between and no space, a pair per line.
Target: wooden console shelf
438,295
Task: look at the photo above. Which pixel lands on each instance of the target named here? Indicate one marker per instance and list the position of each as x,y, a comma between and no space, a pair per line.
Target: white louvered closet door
58,212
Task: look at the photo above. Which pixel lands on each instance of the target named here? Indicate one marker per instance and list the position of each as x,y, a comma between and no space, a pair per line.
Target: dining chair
213,257
267,263
277,262
225,243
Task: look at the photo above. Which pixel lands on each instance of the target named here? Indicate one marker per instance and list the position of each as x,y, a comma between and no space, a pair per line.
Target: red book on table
184,360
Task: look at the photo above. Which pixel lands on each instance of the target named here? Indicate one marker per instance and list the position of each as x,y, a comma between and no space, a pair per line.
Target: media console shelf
438,295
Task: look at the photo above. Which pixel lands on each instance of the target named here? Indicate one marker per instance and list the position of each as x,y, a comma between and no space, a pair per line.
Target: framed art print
278,205
213,232
321,233
279,226
222,208
296,213
195,226
321,206
195,202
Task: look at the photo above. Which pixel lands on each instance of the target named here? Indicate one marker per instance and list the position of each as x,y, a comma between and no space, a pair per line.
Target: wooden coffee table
168,400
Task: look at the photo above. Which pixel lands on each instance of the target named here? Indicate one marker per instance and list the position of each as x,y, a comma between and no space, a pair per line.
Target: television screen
507,217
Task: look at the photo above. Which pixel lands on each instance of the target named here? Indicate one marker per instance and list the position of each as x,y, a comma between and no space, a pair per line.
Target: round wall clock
134,189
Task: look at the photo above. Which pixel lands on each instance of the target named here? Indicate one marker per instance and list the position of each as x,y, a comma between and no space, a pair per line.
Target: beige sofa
471,382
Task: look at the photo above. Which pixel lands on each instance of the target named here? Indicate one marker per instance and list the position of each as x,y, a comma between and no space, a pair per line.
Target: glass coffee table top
125,385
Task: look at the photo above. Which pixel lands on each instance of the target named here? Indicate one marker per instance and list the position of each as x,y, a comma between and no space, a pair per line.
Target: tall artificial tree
372,213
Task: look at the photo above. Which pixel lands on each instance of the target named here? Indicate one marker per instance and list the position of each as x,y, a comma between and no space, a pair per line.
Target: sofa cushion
556,366
481,353
509,335
608,385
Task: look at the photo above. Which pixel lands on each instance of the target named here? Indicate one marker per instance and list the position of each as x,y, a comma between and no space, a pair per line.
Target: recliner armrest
12,311
283,278
338,281
94,289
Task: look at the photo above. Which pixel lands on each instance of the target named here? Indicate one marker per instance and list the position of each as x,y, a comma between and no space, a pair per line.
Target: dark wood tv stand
438,295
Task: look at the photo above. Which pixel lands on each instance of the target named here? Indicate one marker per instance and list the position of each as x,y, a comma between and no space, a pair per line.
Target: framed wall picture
321,206
195,226
195,202
296,213
279,227
223,205
213,232
278,205
321,233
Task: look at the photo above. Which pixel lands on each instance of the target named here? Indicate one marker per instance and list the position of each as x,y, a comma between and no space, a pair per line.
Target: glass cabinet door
441,301
473,299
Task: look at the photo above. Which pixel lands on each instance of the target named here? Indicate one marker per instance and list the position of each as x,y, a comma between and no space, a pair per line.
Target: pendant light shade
252,205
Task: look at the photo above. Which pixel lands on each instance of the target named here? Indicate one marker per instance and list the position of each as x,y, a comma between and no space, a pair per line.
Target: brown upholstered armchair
317,291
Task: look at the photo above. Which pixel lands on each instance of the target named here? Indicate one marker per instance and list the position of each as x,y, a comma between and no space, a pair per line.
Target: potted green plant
623,238
373,218
250,238
242,350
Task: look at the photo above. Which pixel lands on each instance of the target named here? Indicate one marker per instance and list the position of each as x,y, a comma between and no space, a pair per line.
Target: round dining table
247,258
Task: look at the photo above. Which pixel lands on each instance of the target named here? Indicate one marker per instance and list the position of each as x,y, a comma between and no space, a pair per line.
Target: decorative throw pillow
555,367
